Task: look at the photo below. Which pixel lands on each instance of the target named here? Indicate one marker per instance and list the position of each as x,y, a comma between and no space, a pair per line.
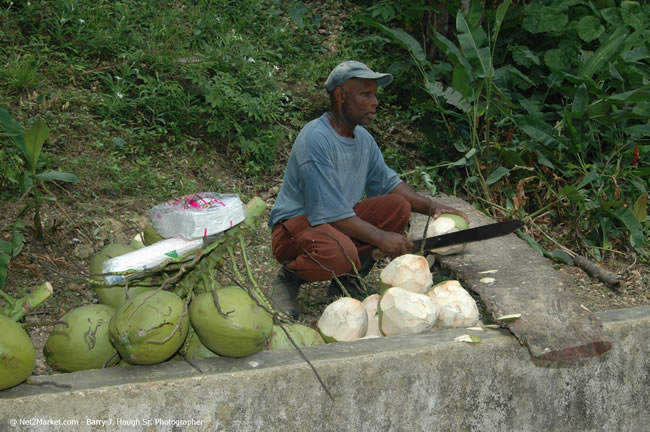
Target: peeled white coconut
371,303
403,312
343,320
444,224
456,307
409,272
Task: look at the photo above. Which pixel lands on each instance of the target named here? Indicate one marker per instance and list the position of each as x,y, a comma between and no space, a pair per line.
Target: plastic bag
148,257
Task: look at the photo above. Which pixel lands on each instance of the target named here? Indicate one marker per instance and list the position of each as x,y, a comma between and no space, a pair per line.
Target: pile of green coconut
179,310
176,310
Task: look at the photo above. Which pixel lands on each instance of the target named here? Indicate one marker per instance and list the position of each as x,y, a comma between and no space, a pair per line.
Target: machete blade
483,232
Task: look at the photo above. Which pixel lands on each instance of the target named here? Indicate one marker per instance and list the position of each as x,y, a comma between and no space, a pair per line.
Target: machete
469,235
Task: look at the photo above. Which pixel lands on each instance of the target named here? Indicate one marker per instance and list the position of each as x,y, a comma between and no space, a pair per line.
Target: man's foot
367,263
284,294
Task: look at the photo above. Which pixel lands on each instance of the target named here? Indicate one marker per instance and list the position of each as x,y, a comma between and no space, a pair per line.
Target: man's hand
423,205
394,245
438,209
390,243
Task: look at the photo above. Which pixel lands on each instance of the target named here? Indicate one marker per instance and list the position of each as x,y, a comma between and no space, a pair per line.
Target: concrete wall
425,382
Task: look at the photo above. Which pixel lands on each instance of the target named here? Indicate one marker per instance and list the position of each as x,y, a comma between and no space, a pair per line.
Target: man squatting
321,225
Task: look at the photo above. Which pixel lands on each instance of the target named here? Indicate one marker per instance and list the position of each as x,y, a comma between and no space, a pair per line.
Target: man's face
360,100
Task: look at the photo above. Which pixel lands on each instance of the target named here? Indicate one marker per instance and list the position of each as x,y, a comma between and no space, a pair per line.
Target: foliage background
537,110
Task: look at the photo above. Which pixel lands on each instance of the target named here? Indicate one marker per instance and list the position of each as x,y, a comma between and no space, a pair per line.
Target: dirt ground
62,258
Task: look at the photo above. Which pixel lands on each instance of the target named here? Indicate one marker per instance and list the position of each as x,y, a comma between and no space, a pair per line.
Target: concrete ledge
525,282
425,382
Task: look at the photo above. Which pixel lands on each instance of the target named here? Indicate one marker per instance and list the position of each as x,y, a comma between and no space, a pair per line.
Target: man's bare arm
421,204
390,243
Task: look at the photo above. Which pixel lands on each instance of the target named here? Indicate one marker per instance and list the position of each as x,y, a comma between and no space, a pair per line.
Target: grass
148,100
151,102
135,93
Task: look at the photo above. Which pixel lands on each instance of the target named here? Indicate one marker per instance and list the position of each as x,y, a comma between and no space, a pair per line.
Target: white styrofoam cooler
198,215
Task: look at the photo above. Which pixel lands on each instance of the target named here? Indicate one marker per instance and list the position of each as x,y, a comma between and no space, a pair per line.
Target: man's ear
339,95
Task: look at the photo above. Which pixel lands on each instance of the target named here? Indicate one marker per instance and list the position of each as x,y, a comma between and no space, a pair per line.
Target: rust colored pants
314,252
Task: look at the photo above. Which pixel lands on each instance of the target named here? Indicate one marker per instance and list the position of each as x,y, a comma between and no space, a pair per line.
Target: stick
256,287
215,299
191,363
295,345
277,318
593,270
177,328
338,281
362,283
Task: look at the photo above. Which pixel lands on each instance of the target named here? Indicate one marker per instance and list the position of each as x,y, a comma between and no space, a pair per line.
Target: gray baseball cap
354,69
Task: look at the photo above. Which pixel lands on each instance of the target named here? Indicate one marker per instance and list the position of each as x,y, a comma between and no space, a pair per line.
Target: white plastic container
198,215
148,257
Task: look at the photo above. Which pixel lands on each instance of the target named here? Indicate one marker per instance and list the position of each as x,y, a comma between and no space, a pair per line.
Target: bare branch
167,281
109,359
354,267
178,325
277,318
334,277
191,363
215,299
302,354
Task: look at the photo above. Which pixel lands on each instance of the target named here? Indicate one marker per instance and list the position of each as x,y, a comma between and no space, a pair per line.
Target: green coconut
81,341
17,355
137,242
115,295
123,363
243,331
109,251
193,348
150,328
151,236
301,335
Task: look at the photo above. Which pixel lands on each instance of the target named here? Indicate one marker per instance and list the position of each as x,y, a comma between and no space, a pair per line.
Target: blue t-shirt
327,174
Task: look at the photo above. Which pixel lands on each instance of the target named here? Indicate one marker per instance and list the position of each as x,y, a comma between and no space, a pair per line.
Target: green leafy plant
551,118
32,186
586,116
9,250
237,108
473,99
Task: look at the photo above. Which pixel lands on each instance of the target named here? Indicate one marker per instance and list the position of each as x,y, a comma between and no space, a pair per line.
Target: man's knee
339,258
400,204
